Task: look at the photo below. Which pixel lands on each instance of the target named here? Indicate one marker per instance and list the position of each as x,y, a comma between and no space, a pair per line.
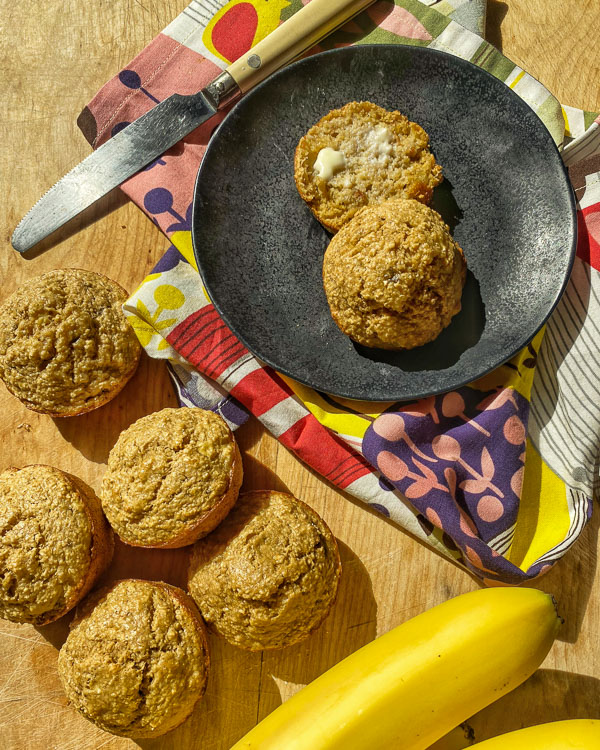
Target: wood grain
55,55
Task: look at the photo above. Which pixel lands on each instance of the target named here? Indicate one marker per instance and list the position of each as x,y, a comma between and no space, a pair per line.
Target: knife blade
123,155
148,137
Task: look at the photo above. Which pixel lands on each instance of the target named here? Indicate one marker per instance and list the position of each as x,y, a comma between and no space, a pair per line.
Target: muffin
136,660
393,275
268,575
54,543
65,345
172,476
359,155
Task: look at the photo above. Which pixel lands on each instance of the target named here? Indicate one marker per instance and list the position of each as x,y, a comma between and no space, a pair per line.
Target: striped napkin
498,475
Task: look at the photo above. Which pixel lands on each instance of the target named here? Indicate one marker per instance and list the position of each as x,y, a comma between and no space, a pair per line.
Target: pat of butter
379,141
329,162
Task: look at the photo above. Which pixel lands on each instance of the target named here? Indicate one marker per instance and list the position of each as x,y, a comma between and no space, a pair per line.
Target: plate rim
460,382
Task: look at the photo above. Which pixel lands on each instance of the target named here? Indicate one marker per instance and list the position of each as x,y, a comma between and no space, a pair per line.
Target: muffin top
65,346
166,473
268,575
394,276
362,154
45,543
136,660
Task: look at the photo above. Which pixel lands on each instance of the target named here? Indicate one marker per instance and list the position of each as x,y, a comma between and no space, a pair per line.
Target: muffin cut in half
65,345
268,575
359,155
54,543
172,476
136,660
394,276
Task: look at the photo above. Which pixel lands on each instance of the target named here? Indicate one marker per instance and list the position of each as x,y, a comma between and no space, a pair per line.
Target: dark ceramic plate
505,195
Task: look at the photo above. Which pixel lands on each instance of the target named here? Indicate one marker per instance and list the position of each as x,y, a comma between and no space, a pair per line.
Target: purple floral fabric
459,458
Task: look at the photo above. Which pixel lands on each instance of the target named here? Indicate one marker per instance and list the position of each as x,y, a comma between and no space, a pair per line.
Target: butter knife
145,139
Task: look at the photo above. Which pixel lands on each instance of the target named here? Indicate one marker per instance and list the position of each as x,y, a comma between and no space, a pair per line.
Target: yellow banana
572,734
412,685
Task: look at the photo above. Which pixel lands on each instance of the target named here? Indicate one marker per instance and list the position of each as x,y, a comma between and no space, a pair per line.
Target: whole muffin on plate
268,575
172,476
136,660
54,543
362,154
65,345
394,276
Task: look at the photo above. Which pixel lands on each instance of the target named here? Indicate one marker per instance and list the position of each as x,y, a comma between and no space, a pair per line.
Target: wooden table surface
55,55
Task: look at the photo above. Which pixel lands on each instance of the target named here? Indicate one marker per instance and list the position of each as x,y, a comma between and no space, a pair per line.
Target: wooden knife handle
296,35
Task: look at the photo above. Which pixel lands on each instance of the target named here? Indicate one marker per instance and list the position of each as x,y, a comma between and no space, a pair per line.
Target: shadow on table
56,632
249,435
496,11
548,695
168,565
257,476
95,433
571,580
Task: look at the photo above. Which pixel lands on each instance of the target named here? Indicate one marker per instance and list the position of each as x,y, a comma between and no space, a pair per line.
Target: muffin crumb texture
268,575
65,345
393,275
137,663
362,154
171,477
46,540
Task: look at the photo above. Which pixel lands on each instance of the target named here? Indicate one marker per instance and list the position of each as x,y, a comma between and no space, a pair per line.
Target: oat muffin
65,346
268,575
393,275
54,543
172,477
136,660
359,155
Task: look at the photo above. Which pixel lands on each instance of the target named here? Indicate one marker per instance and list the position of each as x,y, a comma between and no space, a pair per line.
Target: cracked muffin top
54,543
136,660
172,476
268,575
65,345
394,276
362,154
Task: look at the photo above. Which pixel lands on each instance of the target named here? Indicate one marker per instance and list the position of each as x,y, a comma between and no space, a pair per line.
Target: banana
572,734
414,684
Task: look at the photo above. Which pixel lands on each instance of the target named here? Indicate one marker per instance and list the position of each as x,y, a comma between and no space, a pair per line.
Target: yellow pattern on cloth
543,520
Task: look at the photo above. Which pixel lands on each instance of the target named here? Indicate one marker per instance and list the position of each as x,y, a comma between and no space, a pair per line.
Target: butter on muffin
172,476
362,154
394,276
268,575
65,345
136,660
54,543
